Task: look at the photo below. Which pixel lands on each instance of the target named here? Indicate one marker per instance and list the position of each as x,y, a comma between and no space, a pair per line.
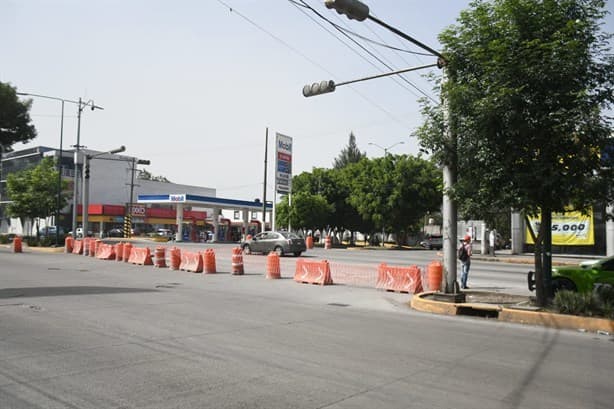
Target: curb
513,315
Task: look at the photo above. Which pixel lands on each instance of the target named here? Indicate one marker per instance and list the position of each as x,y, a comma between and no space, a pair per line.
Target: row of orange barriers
389,278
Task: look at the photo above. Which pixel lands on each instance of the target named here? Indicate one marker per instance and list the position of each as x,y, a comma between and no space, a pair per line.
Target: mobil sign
283,163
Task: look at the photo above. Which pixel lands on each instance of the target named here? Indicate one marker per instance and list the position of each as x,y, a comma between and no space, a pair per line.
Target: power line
234,10
305,5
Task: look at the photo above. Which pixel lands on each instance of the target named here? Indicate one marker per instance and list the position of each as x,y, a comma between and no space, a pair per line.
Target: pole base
457,298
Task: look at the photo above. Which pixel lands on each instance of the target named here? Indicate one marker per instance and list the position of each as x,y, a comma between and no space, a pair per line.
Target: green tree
33,192
394,192
334,186
15,123
528,84
308,210
349,154
145,175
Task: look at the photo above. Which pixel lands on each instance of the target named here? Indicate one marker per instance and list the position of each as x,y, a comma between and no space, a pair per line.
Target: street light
86,185
82,105
59,201
388,148
357,10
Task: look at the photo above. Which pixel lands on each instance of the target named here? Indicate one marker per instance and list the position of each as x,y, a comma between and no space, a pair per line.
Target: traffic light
318,88
87,171
354,9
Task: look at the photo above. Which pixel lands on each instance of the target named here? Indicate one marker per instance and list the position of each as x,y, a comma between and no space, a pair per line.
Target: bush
598,303
4,239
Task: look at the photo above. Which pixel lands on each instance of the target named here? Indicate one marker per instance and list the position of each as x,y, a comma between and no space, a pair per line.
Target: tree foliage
33,192
145,175
15,123
394,192
307,210
350,154
528,85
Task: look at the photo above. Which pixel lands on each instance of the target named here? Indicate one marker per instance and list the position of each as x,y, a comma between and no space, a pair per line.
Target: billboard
283,163
568,229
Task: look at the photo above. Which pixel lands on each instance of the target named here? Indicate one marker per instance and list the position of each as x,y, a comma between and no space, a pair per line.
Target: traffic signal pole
356,10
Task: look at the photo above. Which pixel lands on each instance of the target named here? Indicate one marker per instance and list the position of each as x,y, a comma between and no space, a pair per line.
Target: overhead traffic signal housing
317,88
354,9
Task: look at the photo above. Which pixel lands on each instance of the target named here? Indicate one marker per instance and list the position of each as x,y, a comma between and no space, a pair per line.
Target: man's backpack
462,253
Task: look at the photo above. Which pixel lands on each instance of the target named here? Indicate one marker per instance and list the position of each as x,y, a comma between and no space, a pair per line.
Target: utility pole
266,150
356,10
75,195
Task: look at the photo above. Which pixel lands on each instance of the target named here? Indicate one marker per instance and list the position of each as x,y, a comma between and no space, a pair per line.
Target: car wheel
297,253
561,283
279,251
247,249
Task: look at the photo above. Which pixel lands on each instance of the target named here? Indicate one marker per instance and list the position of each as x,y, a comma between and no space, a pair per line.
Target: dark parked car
581,278
281,242
115,233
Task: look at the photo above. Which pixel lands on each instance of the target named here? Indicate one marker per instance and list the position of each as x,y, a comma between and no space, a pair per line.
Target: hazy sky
192,85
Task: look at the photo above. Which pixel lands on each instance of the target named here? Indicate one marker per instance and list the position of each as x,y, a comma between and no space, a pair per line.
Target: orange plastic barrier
191,261
313,272
141,256
119,251
328,242
435,275
237,261
273,270
174,258
126,253
105,251
17,244
399,279
309,242
69,243
78,247
209,264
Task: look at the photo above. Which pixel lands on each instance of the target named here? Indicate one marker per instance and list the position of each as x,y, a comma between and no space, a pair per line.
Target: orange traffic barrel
328,242
209,262
174,258
160,257
237,261
435,275
273,270
17,244
309,242
69,244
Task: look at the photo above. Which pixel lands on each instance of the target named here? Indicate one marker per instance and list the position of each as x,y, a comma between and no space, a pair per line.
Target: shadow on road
56,291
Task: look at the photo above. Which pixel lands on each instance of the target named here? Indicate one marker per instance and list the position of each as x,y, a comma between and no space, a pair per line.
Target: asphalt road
77,332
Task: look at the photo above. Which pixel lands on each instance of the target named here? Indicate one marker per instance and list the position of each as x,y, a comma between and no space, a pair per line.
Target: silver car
281,242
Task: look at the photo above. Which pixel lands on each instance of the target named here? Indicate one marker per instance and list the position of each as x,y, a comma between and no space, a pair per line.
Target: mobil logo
177,198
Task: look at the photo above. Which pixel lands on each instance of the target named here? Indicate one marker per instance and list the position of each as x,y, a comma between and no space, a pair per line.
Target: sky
193,85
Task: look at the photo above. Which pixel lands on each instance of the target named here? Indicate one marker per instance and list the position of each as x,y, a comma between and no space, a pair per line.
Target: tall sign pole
266,150
283,164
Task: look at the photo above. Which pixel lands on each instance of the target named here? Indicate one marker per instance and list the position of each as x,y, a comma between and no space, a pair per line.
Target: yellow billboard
568,229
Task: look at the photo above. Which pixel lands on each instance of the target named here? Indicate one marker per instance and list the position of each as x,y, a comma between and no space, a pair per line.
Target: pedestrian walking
464,255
